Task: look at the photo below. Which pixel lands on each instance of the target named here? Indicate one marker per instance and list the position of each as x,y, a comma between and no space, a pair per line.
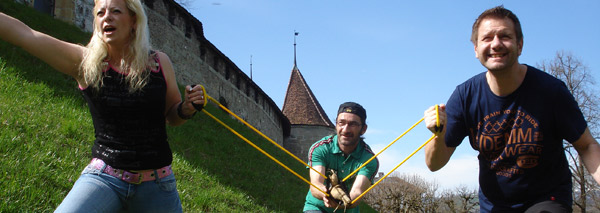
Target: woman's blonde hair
135,64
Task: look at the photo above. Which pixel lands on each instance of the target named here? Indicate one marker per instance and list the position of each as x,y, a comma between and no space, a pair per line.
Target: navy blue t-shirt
519,138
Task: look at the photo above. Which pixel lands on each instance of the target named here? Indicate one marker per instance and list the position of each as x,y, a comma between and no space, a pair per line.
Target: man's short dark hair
497,12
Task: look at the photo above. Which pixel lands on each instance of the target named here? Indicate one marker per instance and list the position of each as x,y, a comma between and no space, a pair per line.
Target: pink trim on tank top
159,68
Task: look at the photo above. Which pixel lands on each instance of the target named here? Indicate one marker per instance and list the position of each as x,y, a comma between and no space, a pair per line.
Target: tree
403,193
460,199
411,193
580,82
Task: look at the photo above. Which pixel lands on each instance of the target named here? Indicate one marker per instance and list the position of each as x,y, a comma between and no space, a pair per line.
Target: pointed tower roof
300,105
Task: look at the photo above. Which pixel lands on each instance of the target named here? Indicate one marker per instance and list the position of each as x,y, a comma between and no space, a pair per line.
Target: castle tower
308,120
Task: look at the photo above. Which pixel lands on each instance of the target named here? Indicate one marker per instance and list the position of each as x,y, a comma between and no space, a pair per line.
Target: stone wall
77,12
303,136
174,31
197,61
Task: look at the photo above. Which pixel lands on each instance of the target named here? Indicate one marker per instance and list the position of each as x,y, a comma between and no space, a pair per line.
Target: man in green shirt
343,152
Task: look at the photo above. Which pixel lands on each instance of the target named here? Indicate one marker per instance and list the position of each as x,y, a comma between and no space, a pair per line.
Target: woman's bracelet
180,112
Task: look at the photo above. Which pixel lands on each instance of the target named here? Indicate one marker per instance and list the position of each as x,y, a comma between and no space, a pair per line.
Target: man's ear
363,130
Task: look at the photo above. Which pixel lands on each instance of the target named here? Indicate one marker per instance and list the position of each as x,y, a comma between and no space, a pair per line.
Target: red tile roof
300,105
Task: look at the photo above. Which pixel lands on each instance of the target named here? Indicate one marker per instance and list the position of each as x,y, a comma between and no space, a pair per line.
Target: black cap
354,108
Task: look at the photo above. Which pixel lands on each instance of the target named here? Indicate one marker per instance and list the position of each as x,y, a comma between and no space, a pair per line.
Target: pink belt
134,177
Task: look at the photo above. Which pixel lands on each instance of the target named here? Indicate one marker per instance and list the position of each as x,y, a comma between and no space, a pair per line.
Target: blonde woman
131,92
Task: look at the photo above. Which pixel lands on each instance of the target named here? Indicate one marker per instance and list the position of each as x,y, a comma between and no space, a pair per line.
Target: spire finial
295,34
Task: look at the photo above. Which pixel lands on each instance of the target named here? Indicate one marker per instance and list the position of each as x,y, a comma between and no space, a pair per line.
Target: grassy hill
46,135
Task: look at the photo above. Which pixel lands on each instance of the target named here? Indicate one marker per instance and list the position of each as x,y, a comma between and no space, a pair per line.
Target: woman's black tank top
130,127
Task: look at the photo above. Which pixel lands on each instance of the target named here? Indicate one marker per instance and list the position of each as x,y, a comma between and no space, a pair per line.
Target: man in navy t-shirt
516,116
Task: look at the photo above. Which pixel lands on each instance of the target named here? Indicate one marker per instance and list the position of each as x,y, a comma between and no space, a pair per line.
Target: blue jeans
95,191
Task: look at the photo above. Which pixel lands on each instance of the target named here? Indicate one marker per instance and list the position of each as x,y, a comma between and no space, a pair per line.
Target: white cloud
461,170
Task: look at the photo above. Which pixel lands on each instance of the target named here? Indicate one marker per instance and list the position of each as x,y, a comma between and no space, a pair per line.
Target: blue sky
396,58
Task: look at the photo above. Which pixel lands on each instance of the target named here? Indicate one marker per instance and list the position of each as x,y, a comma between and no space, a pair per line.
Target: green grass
46,135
